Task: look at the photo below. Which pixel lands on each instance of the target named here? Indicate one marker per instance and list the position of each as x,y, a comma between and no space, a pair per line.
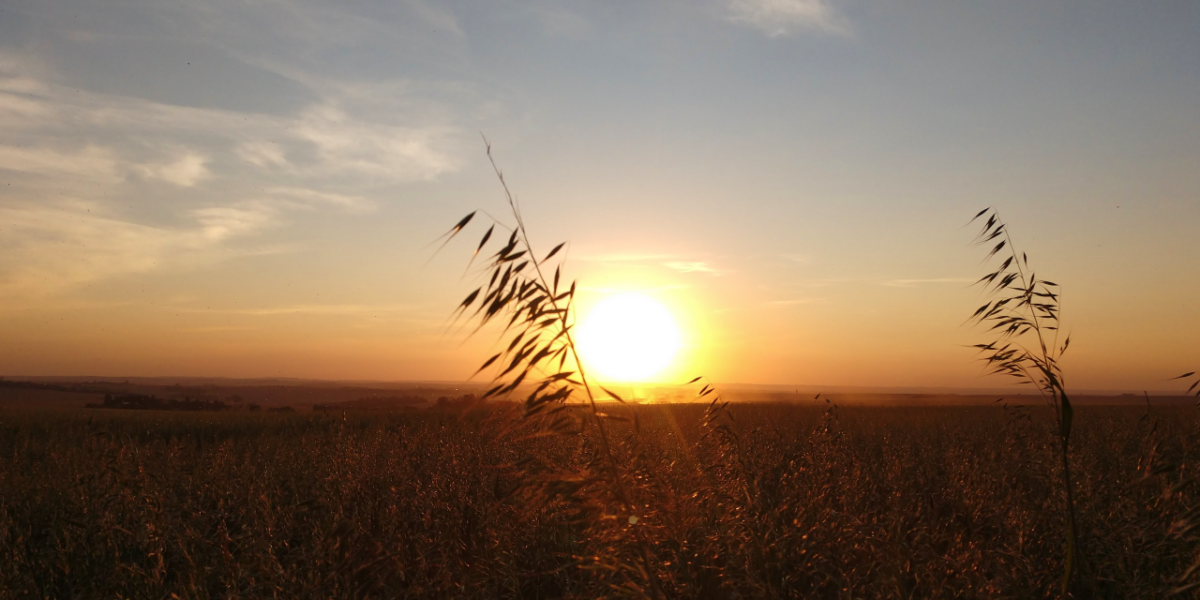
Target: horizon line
730,386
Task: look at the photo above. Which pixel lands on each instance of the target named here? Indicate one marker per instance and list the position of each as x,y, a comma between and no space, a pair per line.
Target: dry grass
1022,319
538,361
811,502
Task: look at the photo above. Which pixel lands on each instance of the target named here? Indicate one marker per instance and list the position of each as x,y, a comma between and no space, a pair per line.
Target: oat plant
538,363
1195,385
1021,317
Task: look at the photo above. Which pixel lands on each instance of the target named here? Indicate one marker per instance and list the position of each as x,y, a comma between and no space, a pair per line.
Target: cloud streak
186,171
47,250
90,162
385,152
322,141
777,18
80,166
690,266
674,262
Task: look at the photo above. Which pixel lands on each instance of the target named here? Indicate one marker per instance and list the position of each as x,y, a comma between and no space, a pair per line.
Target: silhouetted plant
1022,315
540,361
1187,526
1195,379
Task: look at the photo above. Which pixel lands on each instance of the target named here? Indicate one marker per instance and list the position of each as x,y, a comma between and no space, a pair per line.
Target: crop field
787,501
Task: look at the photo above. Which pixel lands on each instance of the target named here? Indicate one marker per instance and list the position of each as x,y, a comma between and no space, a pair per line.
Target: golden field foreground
804,501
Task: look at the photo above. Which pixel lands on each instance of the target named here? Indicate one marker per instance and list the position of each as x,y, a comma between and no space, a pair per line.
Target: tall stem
610,460
1073,550
1039,367
1069,575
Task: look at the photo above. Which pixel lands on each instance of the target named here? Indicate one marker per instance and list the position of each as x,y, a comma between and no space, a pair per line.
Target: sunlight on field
628,337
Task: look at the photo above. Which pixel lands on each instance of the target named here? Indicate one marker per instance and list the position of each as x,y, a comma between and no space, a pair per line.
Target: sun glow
628,337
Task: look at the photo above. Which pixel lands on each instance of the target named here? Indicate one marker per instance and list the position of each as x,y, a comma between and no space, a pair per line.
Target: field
800,501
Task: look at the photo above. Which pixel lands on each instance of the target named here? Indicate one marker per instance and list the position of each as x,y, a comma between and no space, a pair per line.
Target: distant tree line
144,402
82,388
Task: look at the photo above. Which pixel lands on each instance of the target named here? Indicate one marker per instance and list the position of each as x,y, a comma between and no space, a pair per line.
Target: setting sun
628,337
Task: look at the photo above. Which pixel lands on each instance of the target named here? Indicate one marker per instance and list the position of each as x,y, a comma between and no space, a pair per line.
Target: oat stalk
1022,318
539,360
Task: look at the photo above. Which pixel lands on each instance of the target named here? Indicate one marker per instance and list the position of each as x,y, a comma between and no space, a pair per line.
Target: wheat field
810,501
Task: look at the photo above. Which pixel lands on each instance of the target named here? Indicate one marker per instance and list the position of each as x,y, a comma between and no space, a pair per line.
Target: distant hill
347,395
376,403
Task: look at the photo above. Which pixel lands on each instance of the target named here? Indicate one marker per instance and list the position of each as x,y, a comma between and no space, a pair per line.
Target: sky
249,188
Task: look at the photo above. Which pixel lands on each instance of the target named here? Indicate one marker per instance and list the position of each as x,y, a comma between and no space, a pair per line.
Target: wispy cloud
387,152
783,17
90,162
220,222
311,197
675,262
690,266
185,171
263,154
322,141
45,250
75,161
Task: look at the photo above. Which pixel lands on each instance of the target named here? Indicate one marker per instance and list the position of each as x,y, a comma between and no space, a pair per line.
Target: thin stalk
1071,568
1014,322
614,473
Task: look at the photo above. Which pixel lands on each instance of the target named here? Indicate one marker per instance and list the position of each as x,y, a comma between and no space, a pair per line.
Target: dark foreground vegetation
144,402
803,502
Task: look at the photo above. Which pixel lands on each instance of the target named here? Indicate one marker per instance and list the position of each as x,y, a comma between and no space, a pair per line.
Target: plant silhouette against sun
1022,316
540,364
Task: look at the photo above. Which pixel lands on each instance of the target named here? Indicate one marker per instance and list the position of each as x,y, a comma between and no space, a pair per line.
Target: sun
628,337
